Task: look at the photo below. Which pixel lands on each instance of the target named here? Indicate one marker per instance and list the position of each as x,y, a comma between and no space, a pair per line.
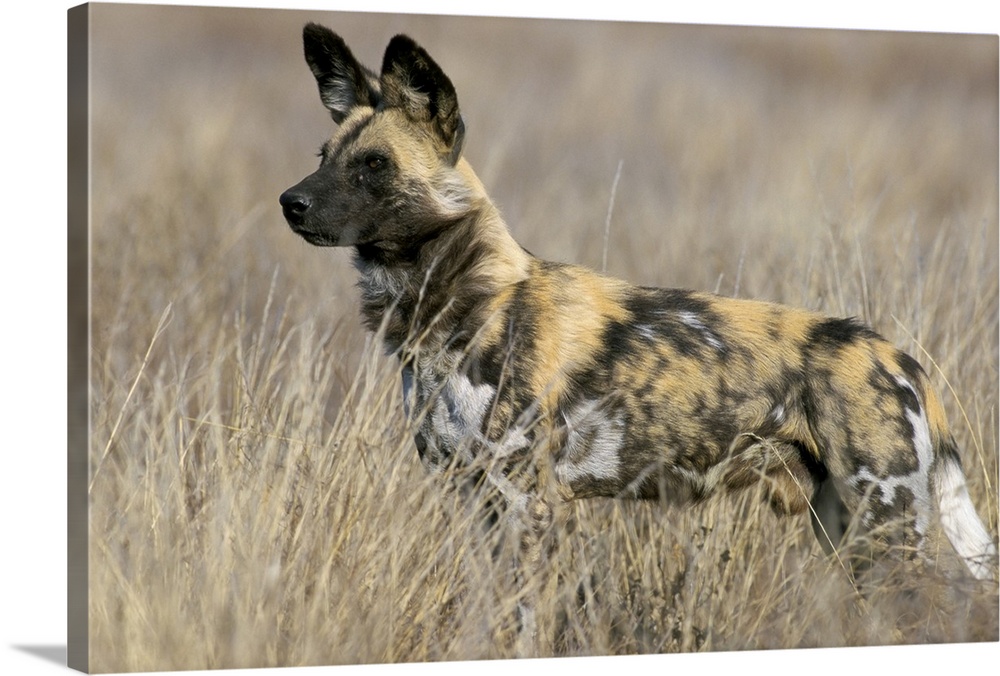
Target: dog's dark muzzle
312,212
299,208
295,204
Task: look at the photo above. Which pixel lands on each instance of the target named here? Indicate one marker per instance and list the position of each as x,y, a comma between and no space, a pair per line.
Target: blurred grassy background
250,509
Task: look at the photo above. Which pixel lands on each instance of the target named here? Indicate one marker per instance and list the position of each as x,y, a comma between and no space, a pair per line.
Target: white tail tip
961,524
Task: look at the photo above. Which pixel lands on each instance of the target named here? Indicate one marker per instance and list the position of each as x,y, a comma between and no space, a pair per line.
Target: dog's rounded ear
412,81
343,82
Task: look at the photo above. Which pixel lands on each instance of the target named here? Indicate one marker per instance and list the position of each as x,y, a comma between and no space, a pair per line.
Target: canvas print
411,338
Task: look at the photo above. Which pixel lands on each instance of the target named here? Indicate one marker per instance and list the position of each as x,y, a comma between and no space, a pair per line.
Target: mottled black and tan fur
609,389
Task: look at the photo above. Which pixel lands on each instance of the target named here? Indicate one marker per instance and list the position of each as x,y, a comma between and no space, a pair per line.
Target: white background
33,328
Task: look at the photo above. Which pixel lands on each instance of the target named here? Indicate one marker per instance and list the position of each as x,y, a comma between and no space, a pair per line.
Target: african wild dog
608,388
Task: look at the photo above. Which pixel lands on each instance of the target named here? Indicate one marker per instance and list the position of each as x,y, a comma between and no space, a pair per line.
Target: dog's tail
959,520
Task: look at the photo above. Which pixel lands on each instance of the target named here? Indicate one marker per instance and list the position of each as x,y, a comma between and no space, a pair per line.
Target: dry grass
256,499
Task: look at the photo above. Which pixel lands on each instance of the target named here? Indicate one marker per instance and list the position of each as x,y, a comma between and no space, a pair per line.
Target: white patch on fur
692,320
460,409
778,413
378,281
408,394
339,96
919,481
647,332
593,442
961,523
452,412
451,195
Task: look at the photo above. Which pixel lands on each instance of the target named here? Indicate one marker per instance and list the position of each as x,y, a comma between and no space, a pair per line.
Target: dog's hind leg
829,516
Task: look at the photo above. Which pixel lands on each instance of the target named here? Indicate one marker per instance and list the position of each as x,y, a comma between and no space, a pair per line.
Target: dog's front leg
534,550
532,504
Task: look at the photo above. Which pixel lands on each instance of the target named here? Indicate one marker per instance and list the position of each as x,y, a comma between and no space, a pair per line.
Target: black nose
294,205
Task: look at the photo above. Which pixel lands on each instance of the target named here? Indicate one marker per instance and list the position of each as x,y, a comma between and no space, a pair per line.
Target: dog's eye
374,161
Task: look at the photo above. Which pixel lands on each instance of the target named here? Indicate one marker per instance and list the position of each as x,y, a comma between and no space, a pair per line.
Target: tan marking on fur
576,305
936,419
752,321
509,263
356,117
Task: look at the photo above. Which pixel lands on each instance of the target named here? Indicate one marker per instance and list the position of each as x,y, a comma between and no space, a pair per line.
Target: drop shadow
49,653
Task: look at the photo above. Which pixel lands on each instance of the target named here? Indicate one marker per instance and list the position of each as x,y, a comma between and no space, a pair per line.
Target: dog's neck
447,278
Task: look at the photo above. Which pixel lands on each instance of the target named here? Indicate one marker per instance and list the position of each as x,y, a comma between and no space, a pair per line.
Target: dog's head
388,177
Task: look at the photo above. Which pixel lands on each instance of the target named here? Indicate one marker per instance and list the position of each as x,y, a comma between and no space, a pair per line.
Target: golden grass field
256,498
